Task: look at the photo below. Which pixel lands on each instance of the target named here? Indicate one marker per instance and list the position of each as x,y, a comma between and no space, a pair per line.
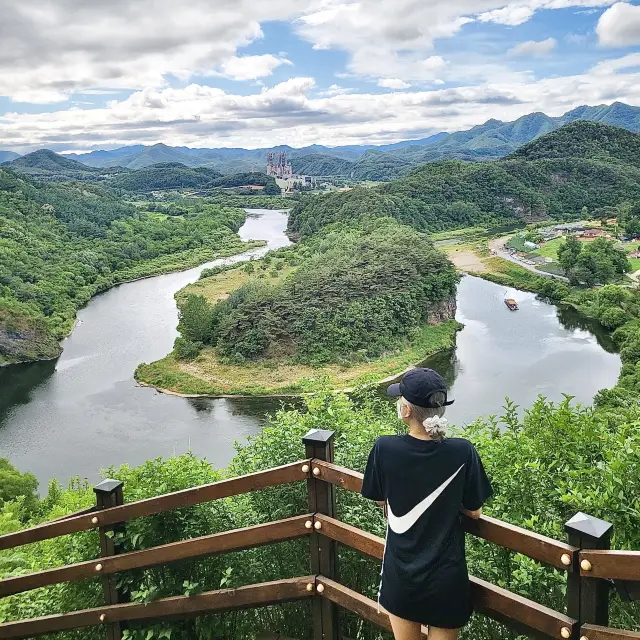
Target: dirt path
466,260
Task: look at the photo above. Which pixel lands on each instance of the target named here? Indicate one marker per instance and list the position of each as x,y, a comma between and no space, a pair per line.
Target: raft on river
511,303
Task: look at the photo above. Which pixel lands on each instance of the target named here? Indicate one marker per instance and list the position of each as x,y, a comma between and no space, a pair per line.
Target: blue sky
82,76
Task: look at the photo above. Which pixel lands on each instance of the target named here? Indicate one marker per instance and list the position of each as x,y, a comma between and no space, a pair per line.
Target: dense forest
354,290
446,195
170,175
62,243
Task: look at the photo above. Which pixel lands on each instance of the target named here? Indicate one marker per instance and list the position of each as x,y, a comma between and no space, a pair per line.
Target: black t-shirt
425,484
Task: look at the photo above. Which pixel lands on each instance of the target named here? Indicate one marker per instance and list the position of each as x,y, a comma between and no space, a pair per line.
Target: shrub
187,349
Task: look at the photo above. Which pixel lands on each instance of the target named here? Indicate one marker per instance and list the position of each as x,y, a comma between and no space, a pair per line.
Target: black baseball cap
418,387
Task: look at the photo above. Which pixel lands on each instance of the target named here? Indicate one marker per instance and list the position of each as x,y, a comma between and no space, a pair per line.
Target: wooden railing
590,567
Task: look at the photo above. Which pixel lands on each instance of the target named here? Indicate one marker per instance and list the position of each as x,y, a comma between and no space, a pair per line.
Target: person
425,482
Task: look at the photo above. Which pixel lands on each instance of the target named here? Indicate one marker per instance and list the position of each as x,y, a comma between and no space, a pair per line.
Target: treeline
597,262
170,175
61,244
447,195
353,290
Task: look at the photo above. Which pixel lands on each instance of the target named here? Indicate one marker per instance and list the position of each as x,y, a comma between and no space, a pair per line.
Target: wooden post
588,598
109,494
322,499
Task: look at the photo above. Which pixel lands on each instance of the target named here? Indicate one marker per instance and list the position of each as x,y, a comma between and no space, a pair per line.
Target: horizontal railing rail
488,598
355,602
159,504
616,565
595,632
255,595
235,540
547,550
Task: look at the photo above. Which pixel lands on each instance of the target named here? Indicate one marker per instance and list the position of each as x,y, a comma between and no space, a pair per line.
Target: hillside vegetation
171,175
61,244
49,166
344,297
544,180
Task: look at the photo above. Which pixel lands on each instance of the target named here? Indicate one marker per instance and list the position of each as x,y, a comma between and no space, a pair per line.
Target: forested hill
167,175
588,140
60,244
47,165
317,164
451,194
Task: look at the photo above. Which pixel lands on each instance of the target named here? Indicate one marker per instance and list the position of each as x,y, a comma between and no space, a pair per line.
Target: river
85,412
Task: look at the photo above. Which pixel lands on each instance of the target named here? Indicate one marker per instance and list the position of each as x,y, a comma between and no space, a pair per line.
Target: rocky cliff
443,311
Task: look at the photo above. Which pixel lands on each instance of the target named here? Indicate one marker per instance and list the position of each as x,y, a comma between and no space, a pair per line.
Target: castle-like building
280,168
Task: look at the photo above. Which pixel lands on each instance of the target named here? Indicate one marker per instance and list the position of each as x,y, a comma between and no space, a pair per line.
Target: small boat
511,303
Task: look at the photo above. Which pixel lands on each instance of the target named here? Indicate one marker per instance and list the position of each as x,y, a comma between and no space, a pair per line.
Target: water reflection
538,350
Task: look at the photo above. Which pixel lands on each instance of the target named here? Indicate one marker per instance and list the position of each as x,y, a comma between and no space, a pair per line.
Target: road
497,245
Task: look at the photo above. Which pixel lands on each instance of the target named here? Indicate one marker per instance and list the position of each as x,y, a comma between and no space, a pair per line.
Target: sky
79,76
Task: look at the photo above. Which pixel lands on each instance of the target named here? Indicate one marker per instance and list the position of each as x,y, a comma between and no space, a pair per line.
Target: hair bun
436,427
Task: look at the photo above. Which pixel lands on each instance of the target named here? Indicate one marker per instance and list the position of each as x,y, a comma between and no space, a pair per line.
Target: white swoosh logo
405,522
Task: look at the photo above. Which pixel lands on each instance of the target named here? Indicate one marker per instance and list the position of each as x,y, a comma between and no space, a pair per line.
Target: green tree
568,253
196,319
14,484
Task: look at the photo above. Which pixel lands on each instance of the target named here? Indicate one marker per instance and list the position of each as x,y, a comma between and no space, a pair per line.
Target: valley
298,311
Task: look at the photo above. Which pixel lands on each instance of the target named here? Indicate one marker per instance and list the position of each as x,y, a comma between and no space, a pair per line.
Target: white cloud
251,67
619,26
39,96
389,39
608,67
509,15
201,116
59,47
64,46
335,90
533,48
393,83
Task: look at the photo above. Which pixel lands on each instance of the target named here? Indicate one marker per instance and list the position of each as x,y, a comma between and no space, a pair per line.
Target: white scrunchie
436,427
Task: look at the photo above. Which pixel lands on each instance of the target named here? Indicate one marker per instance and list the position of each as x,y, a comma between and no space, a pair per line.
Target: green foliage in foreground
62,244
545,466
14,484
555,178
355,290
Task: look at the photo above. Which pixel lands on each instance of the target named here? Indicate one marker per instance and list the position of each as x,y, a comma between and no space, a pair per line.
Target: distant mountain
491,140
8,156
48,166
226,160
582,164
319,164
587,140
45,164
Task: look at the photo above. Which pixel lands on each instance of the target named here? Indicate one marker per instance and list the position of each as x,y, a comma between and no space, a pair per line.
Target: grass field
550,249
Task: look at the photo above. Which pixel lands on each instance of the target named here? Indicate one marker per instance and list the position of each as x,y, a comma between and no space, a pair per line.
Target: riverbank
27,342
206,376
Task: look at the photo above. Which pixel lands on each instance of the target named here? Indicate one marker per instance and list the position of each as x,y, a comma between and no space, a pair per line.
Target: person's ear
406,411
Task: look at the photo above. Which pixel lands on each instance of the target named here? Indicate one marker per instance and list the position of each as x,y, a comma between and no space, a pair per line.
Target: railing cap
318,436
108,486
589,526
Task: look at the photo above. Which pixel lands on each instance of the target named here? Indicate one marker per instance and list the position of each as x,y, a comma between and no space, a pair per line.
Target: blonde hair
431,417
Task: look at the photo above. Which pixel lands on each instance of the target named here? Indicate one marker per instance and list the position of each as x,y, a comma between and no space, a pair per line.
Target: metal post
588,598
322,500
109,494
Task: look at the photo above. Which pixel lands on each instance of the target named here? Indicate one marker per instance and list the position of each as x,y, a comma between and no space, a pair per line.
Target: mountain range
582,164
491,140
